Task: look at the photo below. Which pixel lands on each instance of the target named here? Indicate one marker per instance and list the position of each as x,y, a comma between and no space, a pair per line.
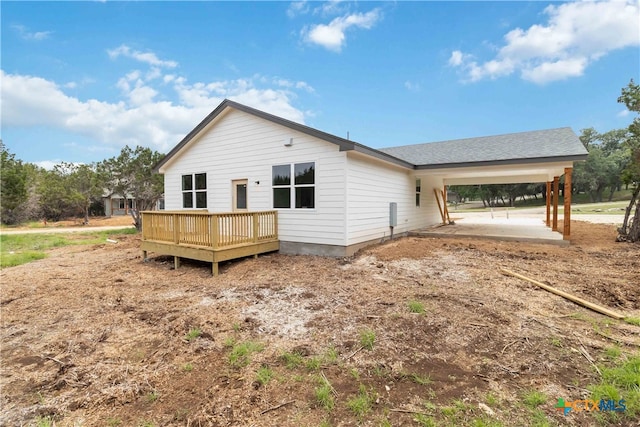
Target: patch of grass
492,399
236,327
533,398
240,354
264,375
485,422
420,379
613,352
313,363
367,339
620,381
416,307
229,342
187,367
424,420
193,334
324,395
539,419
360,405
324,423
355,373
292,360
145,423
152,396
17,249
44,421
330,356
114,422
632,320
556,342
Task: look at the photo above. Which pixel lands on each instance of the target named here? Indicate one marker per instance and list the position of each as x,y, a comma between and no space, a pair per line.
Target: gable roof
344,144
560,144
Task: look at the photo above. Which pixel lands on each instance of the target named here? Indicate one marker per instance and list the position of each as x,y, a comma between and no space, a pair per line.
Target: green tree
131,174
85,185
13,186
602,170
630,229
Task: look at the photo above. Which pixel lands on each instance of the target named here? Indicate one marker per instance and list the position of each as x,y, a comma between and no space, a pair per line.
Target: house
116,204
333,195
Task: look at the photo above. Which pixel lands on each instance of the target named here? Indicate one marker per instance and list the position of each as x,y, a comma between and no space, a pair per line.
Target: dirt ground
94,336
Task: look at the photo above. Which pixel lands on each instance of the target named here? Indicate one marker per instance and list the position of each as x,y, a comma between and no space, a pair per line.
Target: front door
239,188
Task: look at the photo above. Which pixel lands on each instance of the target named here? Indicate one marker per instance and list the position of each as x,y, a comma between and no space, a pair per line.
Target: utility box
393,214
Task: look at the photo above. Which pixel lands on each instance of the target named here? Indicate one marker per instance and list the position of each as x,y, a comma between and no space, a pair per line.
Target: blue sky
82,79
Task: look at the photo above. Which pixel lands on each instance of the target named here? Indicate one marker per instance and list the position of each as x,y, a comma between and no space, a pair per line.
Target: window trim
194,191
292,186
418,191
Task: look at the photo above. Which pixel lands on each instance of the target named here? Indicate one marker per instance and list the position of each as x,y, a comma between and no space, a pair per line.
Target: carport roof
524,147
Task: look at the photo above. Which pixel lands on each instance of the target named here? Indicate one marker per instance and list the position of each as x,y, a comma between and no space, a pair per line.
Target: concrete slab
522,229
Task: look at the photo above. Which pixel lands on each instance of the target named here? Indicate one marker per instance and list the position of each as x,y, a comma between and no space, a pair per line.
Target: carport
527,157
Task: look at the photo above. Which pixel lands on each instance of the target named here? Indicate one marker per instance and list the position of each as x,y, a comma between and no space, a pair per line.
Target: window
299,191
194,191
120,203
418,193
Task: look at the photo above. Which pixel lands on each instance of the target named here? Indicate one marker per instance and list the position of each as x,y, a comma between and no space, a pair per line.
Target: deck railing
211,230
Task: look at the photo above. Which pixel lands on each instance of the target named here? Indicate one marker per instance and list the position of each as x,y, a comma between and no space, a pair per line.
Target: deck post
548,200
214,268
176,262
566,234
176,231
214,231
556,189
255,227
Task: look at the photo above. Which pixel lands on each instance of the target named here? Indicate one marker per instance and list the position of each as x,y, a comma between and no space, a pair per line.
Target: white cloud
25,34
146,57
413,87
624,113
48,164
332,36
142,117
575,35
297,8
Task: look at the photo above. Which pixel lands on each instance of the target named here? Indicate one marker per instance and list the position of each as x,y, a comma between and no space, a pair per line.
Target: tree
131,175
630,229
13,186
608,156
85,185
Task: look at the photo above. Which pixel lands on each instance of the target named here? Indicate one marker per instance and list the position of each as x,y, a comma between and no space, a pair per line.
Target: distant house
334,196
116,204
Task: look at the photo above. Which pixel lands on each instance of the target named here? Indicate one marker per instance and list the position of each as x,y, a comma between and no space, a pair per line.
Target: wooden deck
212,237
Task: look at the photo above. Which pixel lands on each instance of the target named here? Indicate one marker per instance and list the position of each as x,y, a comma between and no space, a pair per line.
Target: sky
80,80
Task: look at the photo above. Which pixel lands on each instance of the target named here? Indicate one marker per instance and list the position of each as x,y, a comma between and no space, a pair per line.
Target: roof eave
570,158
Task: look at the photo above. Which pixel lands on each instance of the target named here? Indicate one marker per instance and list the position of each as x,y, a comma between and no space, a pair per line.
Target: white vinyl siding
371,186
239,145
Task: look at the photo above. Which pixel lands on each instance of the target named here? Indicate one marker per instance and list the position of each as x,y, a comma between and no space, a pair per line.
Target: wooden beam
566,233
548,200
176,262
556,189
435,191
566,295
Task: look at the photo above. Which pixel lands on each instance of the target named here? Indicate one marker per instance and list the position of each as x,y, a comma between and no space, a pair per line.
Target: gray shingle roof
561,144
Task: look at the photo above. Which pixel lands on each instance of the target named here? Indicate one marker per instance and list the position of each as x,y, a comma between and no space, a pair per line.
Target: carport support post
556,189
566,234
548,200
